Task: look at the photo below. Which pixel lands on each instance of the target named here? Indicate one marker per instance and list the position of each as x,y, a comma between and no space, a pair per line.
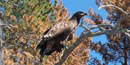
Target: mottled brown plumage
55,36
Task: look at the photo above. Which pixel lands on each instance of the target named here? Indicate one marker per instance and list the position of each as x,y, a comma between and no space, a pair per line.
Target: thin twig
128,31
110,5
105,25
5,25
127,34
87,29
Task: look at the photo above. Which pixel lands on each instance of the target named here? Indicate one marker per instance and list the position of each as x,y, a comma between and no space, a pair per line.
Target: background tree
117,50
116,29
22,23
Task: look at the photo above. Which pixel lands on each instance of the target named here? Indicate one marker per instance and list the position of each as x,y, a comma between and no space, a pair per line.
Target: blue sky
84,5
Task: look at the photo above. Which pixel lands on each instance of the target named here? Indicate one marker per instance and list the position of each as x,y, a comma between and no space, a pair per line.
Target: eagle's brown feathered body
55,36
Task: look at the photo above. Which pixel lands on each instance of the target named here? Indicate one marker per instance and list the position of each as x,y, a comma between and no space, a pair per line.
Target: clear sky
84,5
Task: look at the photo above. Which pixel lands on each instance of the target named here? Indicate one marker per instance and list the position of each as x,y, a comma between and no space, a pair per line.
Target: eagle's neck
75,18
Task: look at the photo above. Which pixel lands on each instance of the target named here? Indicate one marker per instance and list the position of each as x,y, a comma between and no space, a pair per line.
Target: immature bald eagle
55,36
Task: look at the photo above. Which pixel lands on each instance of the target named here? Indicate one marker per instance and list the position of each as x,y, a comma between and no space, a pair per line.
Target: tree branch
128,31
101,26
127,34
68,51
110,5
87,29
82,38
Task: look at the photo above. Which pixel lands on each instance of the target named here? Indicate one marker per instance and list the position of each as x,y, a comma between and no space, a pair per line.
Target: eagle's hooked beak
83,14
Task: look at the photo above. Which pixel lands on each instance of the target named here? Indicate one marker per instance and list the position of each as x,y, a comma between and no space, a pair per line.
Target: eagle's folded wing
59,28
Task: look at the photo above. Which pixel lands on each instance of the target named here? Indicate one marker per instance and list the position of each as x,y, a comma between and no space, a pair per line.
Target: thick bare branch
82,38
68,51
101,26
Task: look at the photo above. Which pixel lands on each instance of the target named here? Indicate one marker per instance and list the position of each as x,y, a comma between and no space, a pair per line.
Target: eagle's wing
59,28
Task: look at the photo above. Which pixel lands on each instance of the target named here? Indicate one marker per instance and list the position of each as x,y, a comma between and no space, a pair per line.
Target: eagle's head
79,14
